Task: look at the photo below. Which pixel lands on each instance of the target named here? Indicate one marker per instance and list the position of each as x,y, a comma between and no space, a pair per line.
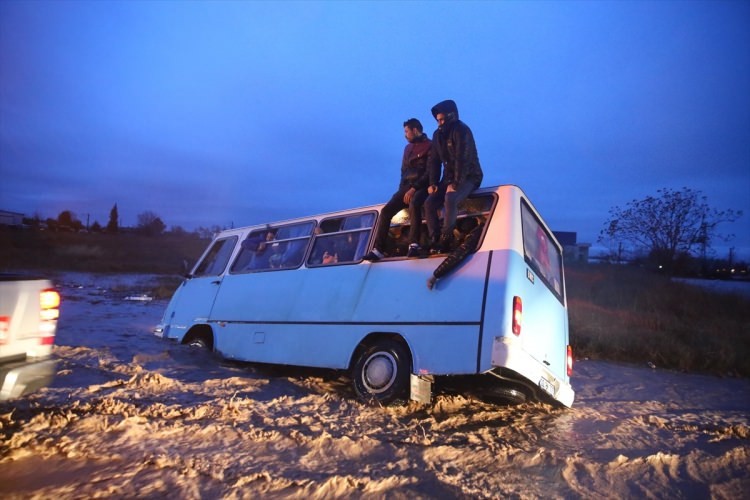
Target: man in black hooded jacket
454,149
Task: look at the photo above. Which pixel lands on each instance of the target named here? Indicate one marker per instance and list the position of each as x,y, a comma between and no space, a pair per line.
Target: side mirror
186,269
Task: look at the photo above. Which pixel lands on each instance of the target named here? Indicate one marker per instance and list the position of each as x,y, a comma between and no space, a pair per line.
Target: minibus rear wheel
381,372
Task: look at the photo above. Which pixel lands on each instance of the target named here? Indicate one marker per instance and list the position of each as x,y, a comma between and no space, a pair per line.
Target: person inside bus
470,231
542,253
453,149
411,193
261,254
332,249
276,258
342,249
322,249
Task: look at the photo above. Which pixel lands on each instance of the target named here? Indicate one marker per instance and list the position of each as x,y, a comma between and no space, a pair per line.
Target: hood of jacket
446,107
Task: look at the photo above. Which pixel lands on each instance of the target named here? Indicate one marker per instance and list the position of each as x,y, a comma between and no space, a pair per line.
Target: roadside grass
623,313
98,252
49,251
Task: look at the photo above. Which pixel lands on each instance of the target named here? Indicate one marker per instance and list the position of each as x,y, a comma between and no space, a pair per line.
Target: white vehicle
298,292
29,309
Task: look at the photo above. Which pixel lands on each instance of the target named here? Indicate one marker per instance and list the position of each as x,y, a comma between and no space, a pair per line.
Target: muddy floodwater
133,416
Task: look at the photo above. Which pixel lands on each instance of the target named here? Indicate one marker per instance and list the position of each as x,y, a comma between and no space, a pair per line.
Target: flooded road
131,415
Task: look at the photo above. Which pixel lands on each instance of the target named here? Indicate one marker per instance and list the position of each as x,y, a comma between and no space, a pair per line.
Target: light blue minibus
298,292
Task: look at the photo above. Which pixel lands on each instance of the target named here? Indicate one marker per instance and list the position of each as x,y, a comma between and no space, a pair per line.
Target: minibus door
195,297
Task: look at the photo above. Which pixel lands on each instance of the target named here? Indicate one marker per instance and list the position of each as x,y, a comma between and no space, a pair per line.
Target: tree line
149,224
671,230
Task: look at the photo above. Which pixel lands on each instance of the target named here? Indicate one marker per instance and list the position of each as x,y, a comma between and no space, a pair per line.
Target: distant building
11,218
572,250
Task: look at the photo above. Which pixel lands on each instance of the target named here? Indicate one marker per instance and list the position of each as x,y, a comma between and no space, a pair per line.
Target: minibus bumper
508,353
161,330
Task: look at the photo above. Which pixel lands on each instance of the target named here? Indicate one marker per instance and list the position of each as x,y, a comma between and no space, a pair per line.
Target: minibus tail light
517,315
569,361
4,329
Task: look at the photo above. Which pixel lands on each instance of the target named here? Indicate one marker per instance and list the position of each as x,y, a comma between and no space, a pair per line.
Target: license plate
546,386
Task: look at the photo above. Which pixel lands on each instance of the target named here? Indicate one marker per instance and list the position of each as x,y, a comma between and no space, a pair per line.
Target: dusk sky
237,113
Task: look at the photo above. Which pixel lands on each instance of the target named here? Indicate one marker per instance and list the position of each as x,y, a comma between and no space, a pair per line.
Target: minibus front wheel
381,371
201,337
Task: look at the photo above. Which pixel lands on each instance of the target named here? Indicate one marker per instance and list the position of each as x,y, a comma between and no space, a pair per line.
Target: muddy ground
131,415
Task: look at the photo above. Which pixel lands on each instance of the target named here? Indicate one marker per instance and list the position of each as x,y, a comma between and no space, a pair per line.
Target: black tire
199,339
198,342
507,395
381,372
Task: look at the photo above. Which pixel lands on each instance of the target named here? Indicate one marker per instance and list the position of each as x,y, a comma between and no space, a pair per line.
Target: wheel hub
380,372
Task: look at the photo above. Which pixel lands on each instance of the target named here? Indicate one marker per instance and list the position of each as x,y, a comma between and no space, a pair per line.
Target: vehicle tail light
49,299
4,329
49,311
569,361
517,315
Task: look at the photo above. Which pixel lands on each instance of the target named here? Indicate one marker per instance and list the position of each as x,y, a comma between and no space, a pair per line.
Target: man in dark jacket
454,149
412,191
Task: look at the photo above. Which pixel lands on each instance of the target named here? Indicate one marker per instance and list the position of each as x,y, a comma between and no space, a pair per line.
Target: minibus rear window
541,251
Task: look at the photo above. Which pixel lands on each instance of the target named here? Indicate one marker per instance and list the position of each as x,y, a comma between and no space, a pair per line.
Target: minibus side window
216,258
341,240
476,206
540,252
274,248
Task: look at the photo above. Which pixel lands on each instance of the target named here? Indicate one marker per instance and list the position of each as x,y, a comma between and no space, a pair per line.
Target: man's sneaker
434,247
414,250
374,256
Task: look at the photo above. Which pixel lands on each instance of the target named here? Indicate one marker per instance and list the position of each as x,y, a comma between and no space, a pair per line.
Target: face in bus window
542,251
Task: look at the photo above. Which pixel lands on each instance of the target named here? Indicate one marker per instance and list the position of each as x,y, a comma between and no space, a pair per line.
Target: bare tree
150,224
668,225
